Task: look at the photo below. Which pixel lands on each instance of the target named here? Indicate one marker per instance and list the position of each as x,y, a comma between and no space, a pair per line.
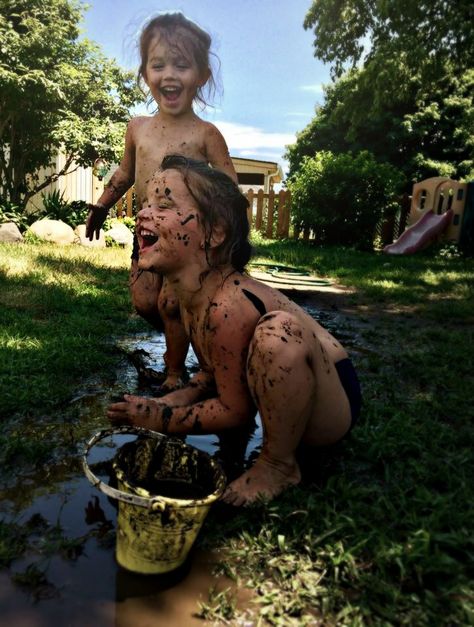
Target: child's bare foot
265,480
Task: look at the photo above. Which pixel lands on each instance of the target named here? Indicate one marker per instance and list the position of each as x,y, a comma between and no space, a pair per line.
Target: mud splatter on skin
256,302
190,217
166,417
167,191
119,188
325,359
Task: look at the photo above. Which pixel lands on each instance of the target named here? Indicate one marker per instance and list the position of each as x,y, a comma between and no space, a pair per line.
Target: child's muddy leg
177,341
144,290
282,383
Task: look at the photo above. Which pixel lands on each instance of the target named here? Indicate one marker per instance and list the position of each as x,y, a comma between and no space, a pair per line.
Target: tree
342,197
410,101
426,33
57,93
423,130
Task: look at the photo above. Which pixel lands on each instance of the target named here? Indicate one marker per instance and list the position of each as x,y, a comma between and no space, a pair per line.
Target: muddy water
90,589
69,575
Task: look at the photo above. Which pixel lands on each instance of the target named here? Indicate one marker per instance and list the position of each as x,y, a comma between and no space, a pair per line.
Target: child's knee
277,340
168,304
144,291
277,329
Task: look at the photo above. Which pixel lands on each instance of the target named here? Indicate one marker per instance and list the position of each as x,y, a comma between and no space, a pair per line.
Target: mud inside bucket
165,490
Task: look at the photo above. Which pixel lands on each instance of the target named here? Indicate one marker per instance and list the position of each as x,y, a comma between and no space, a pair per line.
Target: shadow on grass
380,531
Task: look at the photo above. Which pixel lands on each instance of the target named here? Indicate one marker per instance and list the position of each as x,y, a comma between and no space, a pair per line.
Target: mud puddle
69,576
62,529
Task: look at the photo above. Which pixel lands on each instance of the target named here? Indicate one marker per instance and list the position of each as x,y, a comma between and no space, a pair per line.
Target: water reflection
69,526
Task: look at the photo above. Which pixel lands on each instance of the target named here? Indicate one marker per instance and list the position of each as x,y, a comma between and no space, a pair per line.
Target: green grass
59,308
435,283
382,533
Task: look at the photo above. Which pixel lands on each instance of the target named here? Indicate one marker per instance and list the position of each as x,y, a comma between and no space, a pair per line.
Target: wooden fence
267,213
125,206
270,213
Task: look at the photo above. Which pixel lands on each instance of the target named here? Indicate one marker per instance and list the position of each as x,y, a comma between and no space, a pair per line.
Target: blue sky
270,80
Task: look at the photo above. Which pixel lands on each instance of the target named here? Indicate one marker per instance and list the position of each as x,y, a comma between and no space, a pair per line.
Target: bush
77,213
54,206
342,197
9,212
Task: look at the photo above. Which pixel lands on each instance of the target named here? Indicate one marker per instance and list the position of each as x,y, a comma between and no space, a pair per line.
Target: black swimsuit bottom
345,369
350,382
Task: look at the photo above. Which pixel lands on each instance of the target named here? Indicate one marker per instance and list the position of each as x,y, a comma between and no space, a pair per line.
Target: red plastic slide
420,234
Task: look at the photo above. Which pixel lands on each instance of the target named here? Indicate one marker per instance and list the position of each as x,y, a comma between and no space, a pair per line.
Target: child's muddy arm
121,180
209,416
195,408
230,406
199,387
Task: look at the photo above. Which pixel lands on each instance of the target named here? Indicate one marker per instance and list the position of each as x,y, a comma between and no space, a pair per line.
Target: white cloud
315,89
298,114
251,140
257,154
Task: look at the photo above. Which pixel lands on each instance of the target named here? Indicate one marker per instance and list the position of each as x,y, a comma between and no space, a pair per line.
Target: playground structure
440,207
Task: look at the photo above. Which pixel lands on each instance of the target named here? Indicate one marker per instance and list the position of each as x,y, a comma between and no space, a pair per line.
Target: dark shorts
350,383
135,250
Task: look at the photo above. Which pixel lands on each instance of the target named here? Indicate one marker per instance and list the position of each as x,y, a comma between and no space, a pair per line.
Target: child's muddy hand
137,411
122,412
95,220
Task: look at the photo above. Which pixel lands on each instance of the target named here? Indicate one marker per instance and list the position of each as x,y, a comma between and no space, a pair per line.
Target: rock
80,232
9,232
55,231
120,234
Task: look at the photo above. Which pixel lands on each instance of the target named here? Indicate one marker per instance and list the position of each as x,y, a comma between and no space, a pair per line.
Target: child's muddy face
168,226
172,77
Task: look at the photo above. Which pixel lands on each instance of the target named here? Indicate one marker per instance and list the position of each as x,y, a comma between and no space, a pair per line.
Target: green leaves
428,32
56,92
341,197
410,100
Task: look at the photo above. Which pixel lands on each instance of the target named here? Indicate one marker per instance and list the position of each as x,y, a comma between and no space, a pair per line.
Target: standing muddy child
175,67
257,350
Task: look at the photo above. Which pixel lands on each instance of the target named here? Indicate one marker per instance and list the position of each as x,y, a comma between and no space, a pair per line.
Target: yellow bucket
165,490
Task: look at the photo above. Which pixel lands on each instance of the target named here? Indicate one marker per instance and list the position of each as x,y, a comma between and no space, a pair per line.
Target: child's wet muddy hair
221,205
187,38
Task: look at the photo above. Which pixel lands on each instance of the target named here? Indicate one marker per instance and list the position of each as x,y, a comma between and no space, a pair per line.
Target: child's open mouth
171,93
146,239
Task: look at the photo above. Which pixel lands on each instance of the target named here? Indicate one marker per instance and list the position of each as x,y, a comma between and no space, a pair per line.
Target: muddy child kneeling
257,350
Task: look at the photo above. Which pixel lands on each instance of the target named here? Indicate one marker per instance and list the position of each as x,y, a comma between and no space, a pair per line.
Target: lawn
381,531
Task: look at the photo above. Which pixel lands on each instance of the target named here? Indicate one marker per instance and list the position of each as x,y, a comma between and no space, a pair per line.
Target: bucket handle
153,503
